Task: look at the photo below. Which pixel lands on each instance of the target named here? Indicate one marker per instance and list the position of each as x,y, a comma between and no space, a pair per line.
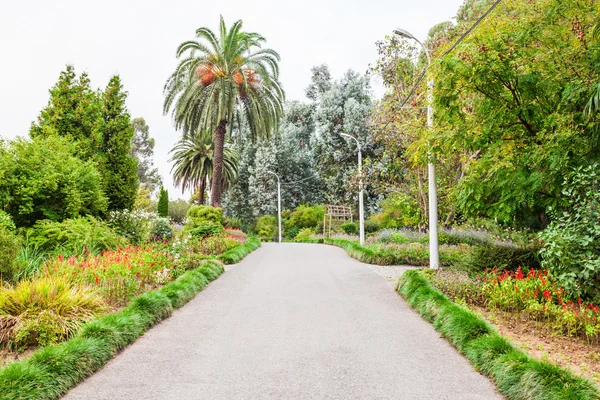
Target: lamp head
403,33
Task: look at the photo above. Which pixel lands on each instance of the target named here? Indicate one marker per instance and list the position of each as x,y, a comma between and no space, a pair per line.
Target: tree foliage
119,167
142,149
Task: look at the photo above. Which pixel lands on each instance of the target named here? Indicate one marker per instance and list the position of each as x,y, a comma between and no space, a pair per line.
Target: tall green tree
193,167
73,111
163,203
142,149
118,166
220,79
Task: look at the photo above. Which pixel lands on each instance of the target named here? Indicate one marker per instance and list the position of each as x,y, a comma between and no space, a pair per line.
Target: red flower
535,295
579,301
519,275
547,295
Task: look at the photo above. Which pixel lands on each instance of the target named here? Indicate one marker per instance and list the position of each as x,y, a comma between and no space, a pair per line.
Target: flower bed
119,274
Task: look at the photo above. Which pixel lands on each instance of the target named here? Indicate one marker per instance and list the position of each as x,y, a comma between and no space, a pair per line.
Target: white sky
138,38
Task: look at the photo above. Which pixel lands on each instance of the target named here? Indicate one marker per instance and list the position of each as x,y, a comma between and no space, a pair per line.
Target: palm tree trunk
216,189
202,189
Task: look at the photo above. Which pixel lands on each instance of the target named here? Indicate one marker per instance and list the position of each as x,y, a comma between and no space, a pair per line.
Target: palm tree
194,163
220,80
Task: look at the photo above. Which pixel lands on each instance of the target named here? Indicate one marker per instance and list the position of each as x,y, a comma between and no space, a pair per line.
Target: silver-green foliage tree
142,149
220,78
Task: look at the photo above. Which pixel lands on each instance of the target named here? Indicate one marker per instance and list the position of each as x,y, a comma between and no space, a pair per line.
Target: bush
136,226
266,227
9,247
304,235
371,226
202,231
306,217
6,222
161,230
74,236
215,245
291,233
457,285
45,310
233,223
29,261
350,228
501,256
44,178
204,215
178,210
571,248
236,254
398,211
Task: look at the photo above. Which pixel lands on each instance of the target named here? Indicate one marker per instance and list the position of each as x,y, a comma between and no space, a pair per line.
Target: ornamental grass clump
45,310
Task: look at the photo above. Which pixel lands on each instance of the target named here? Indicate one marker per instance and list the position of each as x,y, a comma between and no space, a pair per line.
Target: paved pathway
291,321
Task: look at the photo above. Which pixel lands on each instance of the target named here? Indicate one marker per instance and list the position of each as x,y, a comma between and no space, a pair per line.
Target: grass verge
236,254
51,371
517,376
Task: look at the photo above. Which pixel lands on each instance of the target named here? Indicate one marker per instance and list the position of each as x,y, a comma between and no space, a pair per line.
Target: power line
460,39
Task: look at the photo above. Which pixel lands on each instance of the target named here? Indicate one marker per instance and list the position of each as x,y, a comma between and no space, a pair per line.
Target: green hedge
236,254
517,376
51,371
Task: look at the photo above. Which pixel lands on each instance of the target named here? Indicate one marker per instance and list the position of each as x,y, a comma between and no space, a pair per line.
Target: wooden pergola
335,217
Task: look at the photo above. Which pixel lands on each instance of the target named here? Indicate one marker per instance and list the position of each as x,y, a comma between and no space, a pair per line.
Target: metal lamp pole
278,202
361,210
434,257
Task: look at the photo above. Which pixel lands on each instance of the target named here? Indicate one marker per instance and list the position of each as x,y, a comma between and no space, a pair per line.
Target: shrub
236,234
44,311
204,215
306,217
9,247
161,229
371,226
74,236
202,231
571,248
266,227
501,256
290,233
304,235
350,228
6,222
178,210
236,254
136,226
215,245
233,223
398,210
44,178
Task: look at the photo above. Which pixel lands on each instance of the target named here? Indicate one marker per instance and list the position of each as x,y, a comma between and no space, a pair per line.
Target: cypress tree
119,168
163,203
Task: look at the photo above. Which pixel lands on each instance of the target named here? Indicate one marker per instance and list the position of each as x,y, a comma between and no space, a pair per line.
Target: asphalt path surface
291,321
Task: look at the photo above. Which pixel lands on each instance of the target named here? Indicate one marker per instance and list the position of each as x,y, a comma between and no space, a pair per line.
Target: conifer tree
119,168
163,203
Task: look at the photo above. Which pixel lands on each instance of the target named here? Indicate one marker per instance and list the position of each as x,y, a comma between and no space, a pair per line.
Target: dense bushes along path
291,321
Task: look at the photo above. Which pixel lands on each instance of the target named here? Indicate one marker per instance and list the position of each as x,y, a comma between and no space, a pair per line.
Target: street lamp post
278,202
434,257
361,210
